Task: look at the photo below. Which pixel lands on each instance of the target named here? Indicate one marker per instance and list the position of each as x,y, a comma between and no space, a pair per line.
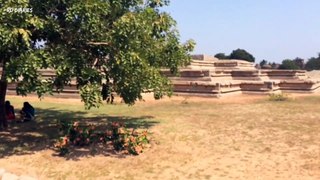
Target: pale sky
269,29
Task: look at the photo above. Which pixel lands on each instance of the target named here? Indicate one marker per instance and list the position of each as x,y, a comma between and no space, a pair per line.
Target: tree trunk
3,91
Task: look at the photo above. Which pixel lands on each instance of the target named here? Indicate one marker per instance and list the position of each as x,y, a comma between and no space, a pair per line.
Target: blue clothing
29,112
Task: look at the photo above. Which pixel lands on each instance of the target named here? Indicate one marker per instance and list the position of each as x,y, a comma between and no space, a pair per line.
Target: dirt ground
234,137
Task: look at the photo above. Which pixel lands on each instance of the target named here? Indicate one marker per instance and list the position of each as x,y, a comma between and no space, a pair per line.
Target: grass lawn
192,139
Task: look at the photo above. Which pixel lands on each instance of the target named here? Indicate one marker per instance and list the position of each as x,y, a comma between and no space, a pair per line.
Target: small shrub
278,97
122,139
62,145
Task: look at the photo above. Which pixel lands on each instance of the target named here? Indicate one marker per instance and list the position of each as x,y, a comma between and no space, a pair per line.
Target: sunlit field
245,137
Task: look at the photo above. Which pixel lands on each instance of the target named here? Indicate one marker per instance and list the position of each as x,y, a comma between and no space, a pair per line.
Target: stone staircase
212,77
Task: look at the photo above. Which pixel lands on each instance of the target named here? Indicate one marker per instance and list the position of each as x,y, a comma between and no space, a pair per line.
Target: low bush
278,97
122,139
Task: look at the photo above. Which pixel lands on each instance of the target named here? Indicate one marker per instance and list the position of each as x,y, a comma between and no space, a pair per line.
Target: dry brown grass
232,138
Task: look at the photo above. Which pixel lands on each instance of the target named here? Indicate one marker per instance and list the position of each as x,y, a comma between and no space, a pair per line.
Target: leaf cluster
124,43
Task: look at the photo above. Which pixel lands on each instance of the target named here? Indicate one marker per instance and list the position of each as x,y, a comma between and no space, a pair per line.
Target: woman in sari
27,112
9,109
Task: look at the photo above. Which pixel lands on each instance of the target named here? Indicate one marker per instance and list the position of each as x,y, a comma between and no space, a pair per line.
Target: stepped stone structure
209,76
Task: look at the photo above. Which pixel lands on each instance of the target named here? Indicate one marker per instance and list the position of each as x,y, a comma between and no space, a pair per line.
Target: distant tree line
293,64
312,63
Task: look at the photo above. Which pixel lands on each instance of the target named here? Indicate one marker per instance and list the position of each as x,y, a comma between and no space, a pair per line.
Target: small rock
9,176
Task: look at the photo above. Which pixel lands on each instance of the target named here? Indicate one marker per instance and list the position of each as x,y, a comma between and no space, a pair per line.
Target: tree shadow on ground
30,137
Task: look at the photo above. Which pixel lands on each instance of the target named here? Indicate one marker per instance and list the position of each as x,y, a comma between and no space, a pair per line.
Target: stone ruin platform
209,76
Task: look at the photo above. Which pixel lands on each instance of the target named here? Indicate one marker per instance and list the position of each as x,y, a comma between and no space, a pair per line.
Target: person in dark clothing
27,112
9,109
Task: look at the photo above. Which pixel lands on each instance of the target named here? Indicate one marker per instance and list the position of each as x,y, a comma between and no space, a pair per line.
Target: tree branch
98,43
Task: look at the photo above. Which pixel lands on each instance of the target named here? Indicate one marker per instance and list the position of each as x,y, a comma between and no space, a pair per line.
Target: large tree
288,64
299,62
118,44
242,54
313,63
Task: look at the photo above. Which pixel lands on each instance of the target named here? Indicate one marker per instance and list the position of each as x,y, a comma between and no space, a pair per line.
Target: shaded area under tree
30,137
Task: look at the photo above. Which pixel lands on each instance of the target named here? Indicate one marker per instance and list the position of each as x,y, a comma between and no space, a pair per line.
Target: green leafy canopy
122,43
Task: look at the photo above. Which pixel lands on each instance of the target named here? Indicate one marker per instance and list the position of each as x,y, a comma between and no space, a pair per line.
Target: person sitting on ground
9,109
27,112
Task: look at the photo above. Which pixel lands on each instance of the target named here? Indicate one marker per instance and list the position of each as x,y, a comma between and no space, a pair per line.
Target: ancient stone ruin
209,76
